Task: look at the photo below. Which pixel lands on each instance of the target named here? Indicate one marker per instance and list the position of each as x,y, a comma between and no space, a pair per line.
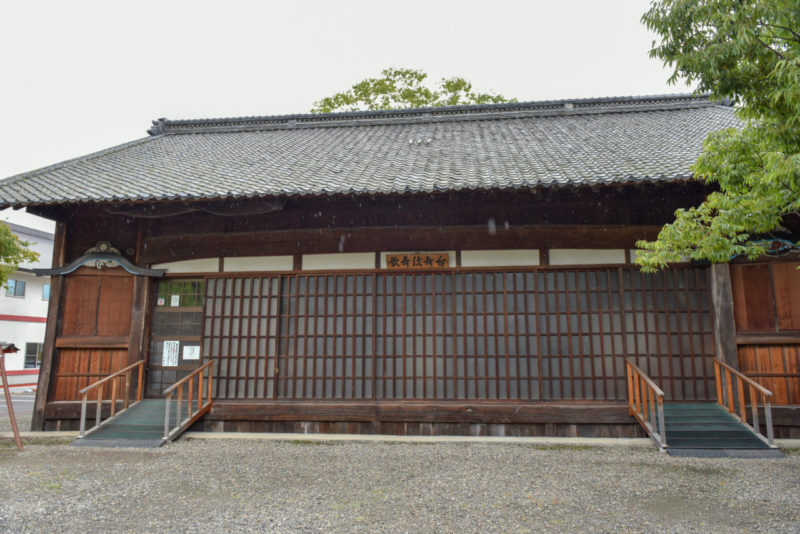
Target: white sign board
175,301
191,352
170,358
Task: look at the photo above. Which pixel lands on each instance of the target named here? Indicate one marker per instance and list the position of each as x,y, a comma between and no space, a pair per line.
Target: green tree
747,51
405,88
13,251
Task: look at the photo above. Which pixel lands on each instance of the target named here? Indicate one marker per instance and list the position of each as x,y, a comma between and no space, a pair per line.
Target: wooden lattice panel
527,334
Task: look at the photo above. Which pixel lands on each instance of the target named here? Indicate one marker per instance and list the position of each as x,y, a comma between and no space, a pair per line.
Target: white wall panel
258,263
586,256
346,260
499,258
205,265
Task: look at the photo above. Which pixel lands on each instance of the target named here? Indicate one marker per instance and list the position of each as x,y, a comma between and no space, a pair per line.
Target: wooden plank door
95,330
766,300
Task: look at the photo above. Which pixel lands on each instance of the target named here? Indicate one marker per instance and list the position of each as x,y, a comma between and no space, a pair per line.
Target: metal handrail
646,403
191,415
733,399
99,401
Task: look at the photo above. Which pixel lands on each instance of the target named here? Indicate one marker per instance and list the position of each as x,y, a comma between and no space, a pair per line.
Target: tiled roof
500,146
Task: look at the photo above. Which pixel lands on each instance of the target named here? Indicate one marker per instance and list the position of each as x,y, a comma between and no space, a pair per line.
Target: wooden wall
767,315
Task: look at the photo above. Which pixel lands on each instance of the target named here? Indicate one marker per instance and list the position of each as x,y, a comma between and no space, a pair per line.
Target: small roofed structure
462,270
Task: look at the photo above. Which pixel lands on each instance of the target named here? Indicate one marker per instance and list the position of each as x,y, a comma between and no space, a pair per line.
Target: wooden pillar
52,327
141,300
722,304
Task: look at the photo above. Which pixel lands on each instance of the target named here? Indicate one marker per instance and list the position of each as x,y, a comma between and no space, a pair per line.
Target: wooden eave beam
159,249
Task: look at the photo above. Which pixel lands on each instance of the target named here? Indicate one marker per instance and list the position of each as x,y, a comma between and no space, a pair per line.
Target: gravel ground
279,486
23,423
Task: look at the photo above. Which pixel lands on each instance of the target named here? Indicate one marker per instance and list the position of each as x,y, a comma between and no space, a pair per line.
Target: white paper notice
170,358
175,301
191,352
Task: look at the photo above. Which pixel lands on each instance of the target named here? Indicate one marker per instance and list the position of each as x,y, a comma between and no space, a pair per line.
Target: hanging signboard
417,261
170,356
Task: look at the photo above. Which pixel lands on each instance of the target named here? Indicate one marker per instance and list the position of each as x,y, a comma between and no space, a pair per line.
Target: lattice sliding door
240,333
528,334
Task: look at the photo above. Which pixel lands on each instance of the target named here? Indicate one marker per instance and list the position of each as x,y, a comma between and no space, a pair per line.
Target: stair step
726,453
138,443
700,434
692,407
133,437
130,429
141,425
708,427
716,443
711,426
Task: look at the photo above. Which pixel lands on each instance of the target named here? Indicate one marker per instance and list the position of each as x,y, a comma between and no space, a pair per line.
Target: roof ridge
468,112
68,162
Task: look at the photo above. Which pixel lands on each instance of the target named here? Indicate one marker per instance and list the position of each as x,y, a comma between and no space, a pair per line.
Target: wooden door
767,314
95,330
176,333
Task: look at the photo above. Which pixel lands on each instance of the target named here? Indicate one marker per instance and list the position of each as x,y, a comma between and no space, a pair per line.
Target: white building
24,300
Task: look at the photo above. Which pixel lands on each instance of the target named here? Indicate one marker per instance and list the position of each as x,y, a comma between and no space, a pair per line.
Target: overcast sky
81,76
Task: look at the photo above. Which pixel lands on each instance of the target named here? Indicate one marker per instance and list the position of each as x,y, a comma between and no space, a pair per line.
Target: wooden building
463,270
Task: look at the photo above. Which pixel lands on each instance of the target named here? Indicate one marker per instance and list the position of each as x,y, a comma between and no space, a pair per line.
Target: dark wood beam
159,249
51,330
416,411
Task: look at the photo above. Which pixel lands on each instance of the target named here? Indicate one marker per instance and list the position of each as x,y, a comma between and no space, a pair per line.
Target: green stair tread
692,407
752,443
140,425
711,426
707,426
125,435
131,429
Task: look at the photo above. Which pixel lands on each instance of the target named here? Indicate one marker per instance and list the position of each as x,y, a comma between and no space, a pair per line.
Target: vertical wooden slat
433,313
278,281
629,372
559,357
729,388
514,315
526,332
699,332
740,391
240,316
482,277
454,333
540,378
622,315
374,330
293,335
246,335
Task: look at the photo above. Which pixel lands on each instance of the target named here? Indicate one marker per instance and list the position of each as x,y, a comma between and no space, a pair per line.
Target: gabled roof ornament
102,256
158,126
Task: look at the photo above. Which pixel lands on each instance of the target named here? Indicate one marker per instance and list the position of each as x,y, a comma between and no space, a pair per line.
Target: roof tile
504,146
